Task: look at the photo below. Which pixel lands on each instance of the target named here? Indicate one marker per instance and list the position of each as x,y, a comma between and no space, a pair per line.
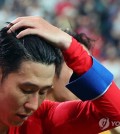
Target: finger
28,31
17,20
8,24
22,18
14,27
13,22
19,25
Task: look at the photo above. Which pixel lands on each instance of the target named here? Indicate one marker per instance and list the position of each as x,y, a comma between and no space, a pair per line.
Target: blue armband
93,84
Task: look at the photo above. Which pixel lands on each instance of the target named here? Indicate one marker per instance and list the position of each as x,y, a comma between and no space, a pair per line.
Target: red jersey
75,117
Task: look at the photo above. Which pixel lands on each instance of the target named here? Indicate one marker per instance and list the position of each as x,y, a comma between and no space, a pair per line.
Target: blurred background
99,19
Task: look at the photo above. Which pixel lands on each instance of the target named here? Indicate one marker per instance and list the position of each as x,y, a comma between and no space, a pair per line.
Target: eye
27,91
41,93
44,91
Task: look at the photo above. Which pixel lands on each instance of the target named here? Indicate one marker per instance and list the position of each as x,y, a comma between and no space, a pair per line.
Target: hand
39,26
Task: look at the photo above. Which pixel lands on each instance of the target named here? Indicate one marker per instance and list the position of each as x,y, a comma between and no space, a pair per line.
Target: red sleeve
80,61
75,117
109,103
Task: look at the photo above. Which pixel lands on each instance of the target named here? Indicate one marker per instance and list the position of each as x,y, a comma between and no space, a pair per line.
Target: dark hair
82,38
13,51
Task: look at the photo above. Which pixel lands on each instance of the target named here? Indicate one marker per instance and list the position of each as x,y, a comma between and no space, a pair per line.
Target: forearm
77,58
93,82
91,75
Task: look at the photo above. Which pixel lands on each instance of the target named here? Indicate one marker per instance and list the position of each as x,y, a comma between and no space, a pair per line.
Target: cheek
18,98
16,101
11,104
11,95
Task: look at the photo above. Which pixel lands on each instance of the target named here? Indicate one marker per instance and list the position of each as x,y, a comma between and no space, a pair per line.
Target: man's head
13,51
27,68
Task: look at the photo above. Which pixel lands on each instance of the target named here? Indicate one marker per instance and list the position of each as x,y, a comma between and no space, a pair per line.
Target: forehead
36,73
34,67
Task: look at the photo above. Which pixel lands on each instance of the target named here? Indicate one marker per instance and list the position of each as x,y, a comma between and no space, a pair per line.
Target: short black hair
14,51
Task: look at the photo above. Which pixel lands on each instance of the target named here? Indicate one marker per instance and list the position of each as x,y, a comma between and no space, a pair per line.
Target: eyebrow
36,86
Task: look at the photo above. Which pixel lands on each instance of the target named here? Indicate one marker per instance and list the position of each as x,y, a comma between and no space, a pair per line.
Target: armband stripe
93,84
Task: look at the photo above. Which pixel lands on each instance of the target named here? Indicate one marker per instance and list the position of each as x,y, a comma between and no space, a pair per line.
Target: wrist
65,41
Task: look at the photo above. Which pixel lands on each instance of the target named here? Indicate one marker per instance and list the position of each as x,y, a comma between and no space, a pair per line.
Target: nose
32,103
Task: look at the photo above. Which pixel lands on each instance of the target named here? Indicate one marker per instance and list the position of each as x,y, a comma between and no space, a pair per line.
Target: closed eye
28,88
27,91
44,90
